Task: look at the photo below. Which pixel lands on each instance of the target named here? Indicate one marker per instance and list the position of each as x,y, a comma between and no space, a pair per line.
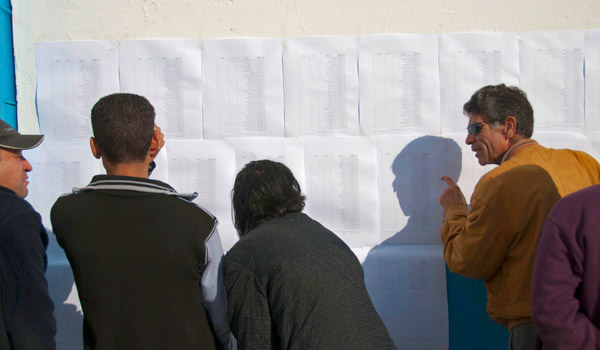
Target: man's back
138,256
293,284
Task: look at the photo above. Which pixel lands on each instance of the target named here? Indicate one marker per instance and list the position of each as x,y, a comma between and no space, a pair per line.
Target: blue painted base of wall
470,326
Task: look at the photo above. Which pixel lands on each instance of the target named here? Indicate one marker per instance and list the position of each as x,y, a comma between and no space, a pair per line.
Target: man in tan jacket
496,238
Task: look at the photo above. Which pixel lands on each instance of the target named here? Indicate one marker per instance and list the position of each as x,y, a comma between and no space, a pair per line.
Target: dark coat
293,284
26,307
137,255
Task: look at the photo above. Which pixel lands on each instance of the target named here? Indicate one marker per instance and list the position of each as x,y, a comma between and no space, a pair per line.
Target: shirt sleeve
249,314
214,297
557,274
26,304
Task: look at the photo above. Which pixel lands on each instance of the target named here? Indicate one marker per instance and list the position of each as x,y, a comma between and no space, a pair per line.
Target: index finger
449,181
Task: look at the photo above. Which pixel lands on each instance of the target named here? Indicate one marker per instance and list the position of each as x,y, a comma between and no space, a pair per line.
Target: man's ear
510,124
158,141
96,151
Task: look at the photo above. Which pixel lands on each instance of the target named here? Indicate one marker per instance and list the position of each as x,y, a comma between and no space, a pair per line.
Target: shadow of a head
418,169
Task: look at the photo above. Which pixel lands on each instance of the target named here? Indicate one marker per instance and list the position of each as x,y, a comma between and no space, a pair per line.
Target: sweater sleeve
26,304
501,230
214,298
249,315
474,243
557,275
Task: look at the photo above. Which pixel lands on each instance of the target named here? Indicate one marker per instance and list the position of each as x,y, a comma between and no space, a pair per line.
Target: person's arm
26,304
214,298
475,243
249,314
557,274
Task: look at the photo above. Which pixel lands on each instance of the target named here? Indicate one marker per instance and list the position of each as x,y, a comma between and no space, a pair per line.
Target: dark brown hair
264,190
123,126
497,102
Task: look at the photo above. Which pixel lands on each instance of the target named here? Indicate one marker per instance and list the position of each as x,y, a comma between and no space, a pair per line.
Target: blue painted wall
8,110
470,326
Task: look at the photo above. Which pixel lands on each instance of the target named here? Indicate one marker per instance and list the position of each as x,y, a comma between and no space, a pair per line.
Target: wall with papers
374,180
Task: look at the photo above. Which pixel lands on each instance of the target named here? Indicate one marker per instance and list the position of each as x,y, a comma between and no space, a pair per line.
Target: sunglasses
475,128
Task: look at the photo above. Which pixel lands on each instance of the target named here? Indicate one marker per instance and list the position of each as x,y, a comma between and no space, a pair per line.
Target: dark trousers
522,337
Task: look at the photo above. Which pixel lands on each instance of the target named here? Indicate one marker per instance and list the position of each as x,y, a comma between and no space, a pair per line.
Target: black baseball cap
10,138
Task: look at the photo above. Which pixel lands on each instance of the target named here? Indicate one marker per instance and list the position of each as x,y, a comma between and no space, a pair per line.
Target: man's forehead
10,150
476,117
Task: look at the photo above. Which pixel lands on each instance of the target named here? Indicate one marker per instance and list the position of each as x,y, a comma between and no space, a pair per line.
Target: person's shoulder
587,197
11,203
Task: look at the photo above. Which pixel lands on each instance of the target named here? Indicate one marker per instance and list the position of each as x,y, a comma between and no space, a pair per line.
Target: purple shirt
565,294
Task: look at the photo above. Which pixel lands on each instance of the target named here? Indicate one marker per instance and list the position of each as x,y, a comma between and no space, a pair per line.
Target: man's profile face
13,171
490,143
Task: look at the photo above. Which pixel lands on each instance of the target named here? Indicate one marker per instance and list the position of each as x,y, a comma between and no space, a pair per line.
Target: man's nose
26,165
470,139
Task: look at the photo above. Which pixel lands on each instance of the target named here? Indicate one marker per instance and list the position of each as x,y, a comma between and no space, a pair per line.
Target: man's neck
517,146
127,169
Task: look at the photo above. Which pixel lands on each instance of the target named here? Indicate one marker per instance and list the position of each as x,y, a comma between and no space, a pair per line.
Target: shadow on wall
390,276
67,310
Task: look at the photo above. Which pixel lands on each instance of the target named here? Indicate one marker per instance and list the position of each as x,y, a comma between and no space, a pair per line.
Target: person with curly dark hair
292,283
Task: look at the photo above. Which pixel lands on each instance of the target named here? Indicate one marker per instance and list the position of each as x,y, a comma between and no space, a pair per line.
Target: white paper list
464,163
57,169
71,77
409,187
561,140
321,86
592,80
469,61
285,150
399,84
205,167
168,73
552,77
242,88
407,284
342,187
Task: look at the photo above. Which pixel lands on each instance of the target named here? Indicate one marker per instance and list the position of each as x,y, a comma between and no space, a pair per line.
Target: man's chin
482,161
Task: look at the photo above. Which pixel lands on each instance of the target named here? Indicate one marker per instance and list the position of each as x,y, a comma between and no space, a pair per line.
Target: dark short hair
123,125
497,102
264,190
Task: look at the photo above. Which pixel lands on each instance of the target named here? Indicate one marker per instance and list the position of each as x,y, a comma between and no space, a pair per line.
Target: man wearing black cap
26,320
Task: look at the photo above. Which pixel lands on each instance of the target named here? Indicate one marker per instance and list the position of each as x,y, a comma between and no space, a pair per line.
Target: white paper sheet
465,164
57,169
595,137
407,285
552,77
67,308
409,187
289,151
321,86
242,88
205,167
342,187
71,77
399,84
570,140
469,61
168,74
592,79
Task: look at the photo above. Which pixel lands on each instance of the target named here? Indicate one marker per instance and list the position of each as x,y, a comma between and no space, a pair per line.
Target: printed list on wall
367,124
